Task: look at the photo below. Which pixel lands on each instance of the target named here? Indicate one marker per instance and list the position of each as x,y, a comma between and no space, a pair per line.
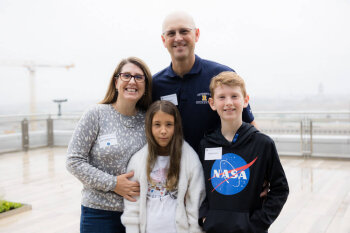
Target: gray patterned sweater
101,146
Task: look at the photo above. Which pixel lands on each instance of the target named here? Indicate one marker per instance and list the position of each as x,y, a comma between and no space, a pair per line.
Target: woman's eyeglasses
126,77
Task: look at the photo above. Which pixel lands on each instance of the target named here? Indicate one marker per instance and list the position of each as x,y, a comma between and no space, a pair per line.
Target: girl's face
163,126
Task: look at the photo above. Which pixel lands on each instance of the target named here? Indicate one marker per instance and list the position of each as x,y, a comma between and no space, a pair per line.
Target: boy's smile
228,102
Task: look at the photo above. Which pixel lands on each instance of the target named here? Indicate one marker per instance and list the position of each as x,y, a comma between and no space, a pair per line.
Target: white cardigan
191,193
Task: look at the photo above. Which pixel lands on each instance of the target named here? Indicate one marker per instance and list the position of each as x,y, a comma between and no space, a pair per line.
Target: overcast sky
281,48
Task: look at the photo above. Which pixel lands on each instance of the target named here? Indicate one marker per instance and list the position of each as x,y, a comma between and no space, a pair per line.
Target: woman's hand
127,188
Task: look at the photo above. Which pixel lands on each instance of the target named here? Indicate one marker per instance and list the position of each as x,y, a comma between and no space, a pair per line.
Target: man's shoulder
214,66
160,74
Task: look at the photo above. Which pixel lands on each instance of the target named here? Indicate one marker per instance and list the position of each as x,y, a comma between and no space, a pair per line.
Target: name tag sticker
107,140
213,153
171,98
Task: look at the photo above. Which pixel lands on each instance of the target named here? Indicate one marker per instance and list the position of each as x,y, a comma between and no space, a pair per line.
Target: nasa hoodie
234,176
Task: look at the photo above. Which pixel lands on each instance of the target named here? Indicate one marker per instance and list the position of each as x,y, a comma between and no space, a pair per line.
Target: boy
236,159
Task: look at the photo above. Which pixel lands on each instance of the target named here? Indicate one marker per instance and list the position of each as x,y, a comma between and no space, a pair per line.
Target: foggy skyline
281,48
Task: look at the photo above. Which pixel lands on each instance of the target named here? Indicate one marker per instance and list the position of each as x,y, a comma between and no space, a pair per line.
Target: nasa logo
231,174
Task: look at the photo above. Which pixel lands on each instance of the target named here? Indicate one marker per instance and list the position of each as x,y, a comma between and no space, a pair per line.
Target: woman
107,135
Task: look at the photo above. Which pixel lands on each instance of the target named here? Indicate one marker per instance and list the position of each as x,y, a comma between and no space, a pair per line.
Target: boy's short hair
228,78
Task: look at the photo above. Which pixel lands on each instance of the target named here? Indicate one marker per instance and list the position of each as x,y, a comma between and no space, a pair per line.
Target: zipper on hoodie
235,138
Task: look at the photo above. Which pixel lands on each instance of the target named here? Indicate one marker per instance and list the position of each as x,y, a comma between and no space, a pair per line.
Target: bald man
186,81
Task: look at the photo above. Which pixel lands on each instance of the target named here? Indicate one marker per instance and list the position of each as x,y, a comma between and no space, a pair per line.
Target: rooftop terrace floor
319,199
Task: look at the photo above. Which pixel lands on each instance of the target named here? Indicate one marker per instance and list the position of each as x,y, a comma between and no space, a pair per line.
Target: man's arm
247,114
254,124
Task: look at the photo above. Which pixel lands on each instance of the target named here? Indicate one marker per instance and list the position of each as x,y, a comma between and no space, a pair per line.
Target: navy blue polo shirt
192,93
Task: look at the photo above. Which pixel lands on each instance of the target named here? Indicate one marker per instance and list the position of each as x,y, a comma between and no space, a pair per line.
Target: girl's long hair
175,147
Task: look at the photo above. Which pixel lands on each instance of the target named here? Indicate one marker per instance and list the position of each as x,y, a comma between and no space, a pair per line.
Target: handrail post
301,138
25,134
50,136
311,141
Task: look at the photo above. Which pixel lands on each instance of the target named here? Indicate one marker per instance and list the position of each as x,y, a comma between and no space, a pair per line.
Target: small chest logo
230,175
202,98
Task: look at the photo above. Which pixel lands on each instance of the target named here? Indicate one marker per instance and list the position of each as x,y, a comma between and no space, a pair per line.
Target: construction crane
32,67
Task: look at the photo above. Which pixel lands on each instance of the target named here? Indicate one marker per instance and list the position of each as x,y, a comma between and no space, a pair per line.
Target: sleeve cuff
112,184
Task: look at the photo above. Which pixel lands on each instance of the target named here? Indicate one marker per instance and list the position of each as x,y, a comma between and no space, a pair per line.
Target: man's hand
266,187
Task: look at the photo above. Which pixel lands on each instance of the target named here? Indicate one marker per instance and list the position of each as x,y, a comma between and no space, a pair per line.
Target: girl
170,176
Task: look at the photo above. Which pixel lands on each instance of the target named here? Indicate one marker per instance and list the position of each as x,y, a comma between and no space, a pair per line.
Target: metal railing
23,132
306,134
317,134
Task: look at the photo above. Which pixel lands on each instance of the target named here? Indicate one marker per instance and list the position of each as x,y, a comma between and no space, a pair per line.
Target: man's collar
196,68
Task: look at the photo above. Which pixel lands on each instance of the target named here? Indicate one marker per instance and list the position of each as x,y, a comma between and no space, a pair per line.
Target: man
186,81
